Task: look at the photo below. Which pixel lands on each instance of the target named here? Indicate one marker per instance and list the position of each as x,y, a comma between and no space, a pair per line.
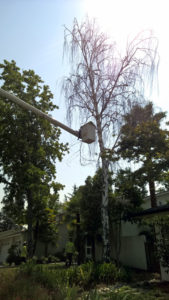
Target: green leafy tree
127,198
86,201
157,232
164,180
162,240
129,188
73,219
29,147
47,228
6,223
90,207
144,141
71,208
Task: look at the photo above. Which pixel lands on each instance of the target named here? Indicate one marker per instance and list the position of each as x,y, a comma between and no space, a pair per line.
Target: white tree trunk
105,189
104,211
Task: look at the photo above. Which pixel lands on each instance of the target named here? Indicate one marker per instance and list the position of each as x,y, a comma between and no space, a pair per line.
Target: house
8,238
17,235
137,247
57,249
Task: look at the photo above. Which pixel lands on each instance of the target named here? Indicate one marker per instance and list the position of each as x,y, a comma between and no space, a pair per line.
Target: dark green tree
129,188
29,147
126,198
145,142
90,207
71,208
164,181
47,228
87,201
6,223
72,217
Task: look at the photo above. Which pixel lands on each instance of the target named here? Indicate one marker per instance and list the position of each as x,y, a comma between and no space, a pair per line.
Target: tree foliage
144,141
6,223
87,200
29,147
127,197
162,240
129,188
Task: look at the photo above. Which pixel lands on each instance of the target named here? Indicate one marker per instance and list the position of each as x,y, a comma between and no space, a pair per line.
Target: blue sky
32,33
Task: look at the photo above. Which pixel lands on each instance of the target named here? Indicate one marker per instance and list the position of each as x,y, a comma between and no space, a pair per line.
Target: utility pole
86,132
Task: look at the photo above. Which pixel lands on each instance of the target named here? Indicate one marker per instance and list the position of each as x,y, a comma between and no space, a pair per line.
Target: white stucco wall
53,249
164,274
133,252
162,199
129,229
7,239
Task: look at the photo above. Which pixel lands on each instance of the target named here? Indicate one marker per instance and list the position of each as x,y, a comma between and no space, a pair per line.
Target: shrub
124,274
13,255
108,273
53,259
28,267
72,275
61,255
84,276
88,274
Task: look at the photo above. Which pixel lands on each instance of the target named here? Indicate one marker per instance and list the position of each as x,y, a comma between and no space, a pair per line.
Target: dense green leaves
145,142
90,203
6,223
86,201
29,147
129,188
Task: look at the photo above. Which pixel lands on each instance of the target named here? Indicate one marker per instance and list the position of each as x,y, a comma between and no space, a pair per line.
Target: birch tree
103,85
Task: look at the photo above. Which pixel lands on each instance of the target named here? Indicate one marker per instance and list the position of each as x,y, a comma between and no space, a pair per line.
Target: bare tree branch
104,85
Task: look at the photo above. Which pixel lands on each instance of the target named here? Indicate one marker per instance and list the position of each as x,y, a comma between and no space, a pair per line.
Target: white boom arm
89,136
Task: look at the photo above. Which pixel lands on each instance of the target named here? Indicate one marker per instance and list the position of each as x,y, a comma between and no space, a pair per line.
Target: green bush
87,275
53,259
13,255
28,268
72,275
90,273
83,275
108,273
124,274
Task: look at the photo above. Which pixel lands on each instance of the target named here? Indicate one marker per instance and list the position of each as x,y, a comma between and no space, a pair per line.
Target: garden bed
86,282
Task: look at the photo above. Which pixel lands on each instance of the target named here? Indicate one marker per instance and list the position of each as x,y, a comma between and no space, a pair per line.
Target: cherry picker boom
86,132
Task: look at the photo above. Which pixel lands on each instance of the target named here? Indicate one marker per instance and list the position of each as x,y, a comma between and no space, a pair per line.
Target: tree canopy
144,141
29,147
86,201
